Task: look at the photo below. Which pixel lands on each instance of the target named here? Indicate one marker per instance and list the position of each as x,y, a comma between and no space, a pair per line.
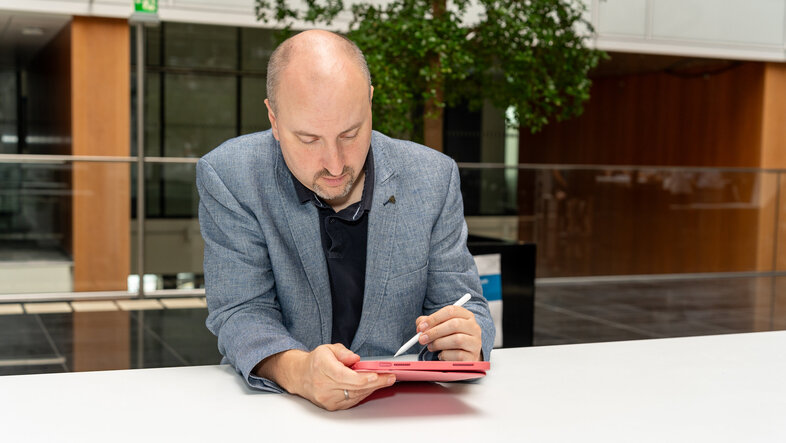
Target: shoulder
243,165
245,159
241,152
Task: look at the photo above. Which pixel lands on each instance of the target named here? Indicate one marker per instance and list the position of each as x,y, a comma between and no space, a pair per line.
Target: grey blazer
266,278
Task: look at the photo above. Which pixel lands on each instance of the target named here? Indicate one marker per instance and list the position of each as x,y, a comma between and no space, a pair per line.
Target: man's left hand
452,332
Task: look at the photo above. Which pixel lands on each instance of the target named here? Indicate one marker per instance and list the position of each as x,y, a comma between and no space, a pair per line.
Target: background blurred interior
659,212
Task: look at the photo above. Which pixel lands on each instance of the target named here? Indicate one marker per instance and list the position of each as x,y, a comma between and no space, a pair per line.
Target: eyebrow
308,134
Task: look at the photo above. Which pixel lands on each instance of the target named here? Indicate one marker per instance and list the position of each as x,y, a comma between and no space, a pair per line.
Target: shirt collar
304,194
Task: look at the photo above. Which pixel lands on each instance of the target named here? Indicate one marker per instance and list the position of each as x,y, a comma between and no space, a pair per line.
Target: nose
333,159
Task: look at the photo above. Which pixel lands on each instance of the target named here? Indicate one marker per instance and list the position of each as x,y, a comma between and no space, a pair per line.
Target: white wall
736,29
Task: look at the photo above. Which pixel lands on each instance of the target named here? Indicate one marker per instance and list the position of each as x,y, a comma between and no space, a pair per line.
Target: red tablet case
425,370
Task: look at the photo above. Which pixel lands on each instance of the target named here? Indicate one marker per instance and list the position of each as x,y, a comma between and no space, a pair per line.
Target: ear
272,117
371,93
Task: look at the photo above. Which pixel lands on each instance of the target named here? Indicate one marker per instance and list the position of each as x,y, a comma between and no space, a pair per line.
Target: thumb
344,355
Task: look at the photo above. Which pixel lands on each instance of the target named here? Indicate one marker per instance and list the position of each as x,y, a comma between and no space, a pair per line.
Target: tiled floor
175,335
581,313
57,342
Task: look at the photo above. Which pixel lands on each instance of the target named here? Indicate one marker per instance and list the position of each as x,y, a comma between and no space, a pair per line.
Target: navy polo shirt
344,240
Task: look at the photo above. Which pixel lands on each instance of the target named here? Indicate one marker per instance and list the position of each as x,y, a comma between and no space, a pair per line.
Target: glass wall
203,85
34,197
8,112
602,221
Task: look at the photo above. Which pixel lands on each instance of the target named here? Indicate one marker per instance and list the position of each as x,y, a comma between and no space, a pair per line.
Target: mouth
334,181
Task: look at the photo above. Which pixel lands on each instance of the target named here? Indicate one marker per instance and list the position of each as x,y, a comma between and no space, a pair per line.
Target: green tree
530,55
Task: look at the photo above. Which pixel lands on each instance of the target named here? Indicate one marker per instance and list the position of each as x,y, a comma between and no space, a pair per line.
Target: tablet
426,370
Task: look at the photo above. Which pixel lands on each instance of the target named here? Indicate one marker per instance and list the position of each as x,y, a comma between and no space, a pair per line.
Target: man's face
324,128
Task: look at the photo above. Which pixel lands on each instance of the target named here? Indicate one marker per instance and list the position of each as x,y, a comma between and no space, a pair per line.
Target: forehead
309,104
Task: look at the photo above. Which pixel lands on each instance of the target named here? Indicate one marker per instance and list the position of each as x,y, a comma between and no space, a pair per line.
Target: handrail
590,167
48,158
97,295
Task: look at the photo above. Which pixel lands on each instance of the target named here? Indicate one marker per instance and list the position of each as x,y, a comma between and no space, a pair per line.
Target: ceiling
619,63
23,35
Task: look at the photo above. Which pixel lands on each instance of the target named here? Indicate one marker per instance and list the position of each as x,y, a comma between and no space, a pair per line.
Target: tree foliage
527,54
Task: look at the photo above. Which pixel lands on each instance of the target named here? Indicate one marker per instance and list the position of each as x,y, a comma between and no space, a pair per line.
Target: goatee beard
322,193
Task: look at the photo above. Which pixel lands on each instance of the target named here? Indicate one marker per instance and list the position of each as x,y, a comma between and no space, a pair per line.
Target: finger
443,315
331,396
458,355
346,398
327,364
359,396
450,327
355,397
345,378
456,342
382,381
344,355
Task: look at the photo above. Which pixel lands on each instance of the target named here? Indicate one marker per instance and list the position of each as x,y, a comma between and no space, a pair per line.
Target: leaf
525,54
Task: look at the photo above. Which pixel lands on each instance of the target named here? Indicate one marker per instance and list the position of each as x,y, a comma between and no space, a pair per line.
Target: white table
718,388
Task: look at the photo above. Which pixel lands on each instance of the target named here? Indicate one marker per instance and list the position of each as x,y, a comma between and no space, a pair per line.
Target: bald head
319,55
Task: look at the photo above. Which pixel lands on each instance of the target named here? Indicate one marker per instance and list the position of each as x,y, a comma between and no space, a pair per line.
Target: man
326,241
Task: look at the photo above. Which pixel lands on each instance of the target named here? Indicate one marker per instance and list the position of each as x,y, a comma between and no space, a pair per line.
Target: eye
309,141
349,136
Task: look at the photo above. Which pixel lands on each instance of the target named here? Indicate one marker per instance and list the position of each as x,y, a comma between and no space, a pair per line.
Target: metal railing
546,212
99,295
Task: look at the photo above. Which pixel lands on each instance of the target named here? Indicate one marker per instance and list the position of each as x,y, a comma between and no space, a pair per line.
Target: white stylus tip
407,345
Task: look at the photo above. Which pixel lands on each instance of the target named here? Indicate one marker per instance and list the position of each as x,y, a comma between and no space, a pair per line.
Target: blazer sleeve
241,295
451,268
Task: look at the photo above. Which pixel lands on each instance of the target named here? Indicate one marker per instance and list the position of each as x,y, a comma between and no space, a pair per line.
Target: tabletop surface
712,388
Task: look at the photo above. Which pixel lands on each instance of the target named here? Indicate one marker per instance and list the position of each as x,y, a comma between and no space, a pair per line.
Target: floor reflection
596,312
84,341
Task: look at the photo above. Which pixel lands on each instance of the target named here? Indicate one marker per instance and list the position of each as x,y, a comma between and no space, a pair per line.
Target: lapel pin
392,199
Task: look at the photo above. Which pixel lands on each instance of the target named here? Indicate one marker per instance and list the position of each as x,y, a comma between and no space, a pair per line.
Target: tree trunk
433,114
433,118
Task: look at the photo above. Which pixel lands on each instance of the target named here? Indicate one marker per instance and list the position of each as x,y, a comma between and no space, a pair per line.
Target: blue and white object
490,272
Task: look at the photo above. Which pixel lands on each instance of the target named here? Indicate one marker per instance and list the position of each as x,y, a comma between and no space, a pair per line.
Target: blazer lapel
303,225
381,234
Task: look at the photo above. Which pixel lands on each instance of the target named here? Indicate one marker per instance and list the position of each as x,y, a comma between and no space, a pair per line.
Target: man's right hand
322,376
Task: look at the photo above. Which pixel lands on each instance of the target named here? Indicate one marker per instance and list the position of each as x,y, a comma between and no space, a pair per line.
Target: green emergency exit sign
150,6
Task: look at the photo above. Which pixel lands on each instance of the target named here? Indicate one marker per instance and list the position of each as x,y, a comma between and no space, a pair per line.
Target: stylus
414,339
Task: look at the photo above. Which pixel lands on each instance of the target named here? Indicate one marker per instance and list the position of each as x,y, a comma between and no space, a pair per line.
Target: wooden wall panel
773,155
660,119
633,225
781,243
646,225
773,151
100,125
